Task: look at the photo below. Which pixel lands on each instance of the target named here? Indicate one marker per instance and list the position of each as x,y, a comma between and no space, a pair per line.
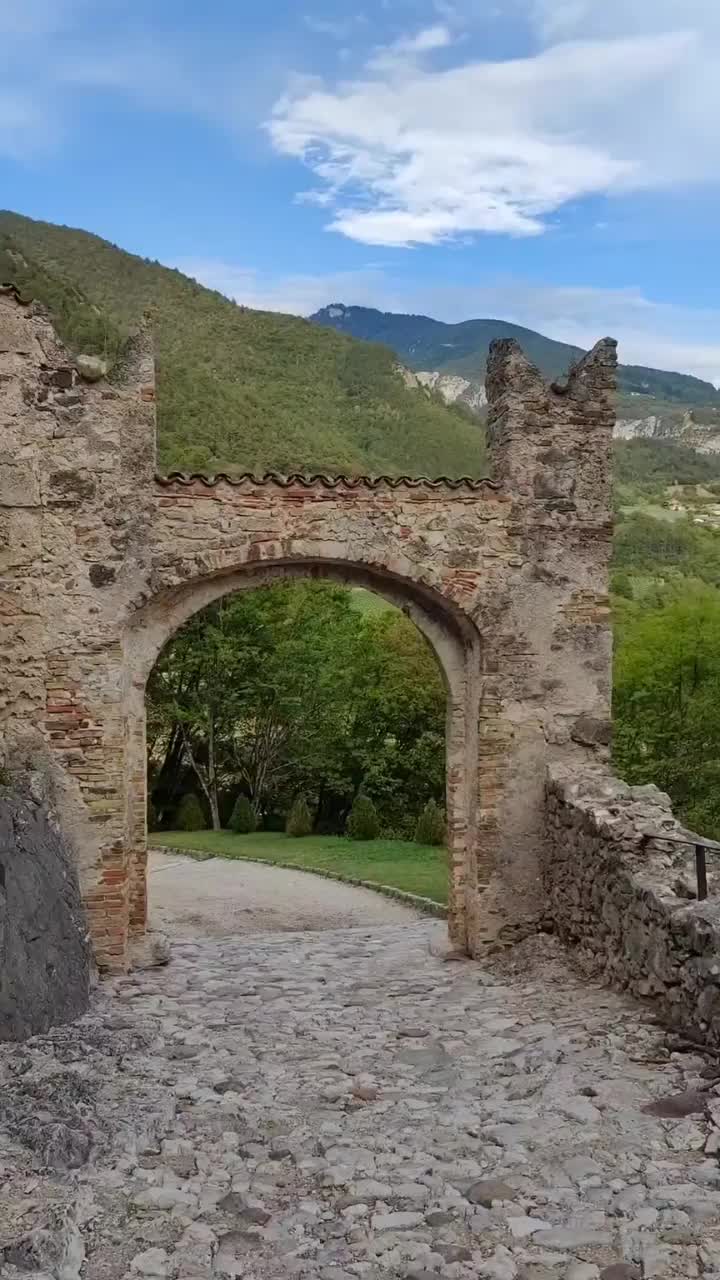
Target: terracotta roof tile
320,479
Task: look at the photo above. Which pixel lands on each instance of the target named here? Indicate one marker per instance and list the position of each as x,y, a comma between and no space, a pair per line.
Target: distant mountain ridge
428,345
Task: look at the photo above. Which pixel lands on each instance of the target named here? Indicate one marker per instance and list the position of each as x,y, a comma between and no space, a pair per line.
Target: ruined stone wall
623,904
101,561
76,469
45,960
550,449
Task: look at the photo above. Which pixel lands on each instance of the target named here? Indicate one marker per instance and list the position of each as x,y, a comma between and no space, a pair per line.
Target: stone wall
624,904
45,957
101,561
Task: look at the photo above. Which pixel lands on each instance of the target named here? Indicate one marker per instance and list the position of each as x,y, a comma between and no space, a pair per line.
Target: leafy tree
430,826
303,693
243,820
192,691
299,821
190,816
398,731
363,822
621,585
667,703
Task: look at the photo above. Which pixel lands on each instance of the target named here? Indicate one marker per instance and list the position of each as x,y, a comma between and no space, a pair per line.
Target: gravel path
345,1106
220,898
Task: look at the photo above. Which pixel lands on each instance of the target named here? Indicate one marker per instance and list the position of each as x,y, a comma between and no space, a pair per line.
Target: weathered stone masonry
625,904
101,561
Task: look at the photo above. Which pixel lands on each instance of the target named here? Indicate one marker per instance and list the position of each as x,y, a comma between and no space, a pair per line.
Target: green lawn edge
428,906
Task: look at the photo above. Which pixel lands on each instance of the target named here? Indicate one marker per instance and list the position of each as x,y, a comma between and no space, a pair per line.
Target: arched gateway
102,560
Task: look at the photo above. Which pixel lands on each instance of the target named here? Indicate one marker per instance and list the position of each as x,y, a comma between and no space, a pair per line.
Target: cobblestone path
347,1104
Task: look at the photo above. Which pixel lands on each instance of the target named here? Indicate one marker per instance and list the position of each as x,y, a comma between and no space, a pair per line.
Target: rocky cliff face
677,428
638,417
452,388
455,389
45,961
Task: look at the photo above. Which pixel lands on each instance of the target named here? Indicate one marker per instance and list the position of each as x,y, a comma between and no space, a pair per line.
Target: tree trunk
209,784
165,788
212,791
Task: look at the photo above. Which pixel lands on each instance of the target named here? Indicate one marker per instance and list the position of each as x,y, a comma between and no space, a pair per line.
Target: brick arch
158,618
455,642
97,551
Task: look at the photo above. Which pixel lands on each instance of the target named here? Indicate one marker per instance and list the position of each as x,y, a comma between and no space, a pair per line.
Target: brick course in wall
101,561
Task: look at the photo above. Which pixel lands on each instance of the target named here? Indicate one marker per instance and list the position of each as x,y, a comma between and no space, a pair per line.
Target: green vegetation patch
413,868
240,390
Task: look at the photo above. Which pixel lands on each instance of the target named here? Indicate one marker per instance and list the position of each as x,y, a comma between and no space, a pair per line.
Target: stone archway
452,636
100,557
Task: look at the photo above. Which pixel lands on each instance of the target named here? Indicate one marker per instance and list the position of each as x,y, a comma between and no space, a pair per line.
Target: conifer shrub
430,826
190,816
363,822
243,819
299,820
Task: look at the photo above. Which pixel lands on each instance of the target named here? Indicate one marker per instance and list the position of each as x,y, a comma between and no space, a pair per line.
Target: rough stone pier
101,561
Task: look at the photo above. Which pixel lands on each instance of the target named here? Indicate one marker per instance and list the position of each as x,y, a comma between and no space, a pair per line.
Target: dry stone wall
623,903
101,561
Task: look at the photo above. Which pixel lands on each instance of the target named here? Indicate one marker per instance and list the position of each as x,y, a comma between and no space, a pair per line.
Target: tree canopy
667,703
289,690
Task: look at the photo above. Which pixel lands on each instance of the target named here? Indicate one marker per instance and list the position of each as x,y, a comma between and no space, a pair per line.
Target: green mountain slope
239,389
423,343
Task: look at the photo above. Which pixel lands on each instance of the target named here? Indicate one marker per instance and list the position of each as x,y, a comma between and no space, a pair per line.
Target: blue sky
552,162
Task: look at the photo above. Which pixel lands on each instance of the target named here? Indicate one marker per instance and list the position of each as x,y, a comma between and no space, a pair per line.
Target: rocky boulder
45,957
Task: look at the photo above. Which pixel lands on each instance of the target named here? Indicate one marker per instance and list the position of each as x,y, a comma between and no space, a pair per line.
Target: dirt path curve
220,898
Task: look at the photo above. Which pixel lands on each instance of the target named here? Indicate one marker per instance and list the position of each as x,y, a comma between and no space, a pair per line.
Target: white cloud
573,19
23,126
57,56
299,295
437,37
334,28
23,18
660,335
415,154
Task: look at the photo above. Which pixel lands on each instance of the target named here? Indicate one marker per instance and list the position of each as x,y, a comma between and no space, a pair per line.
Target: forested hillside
666,608
239,389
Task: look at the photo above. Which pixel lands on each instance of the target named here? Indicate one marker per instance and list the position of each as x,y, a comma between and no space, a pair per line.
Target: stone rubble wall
45,957
626,906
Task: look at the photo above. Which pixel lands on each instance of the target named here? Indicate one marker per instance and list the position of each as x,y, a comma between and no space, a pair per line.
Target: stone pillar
24,433
546,621
551,444
75,506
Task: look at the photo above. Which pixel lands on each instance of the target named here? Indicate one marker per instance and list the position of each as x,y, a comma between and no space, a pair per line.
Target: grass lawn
416,868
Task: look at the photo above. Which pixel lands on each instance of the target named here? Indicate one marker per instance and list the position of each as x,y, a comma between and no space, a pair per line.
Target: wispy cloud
660,335
299,294
59,56
334,28
416,153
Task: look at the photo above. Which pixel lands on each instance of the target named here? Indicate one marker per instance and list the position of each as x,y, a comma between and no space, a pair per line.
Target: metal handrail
700,860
